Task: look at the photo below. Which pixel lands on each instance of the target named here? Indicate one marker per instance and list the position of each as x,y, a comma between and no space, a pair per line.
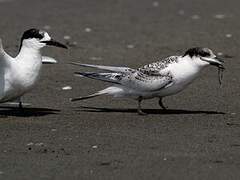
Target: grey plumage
156,80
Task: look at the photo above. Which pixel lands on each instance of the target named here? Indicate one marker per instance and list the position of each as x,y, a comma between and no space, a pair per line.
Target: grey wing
111,77
106,68
5,59
137,80
155,68
144,82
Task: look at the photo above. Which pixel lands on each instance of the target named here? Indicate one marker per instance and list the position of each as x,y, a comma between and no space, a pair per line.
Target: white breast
183,72
20,76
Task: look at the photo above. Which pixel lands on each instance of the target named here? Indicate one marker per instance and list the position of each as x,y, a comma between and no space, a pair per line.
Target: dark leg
139,110
161,104
20,103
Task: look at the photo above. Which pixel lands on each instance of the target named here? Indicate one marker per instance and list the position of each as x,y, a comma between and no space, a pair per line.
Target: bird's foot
140,112
162,105
20,105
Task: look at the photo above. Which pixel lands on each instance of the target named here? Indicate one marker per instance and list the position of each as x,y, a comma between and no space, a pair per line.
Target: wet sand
104,138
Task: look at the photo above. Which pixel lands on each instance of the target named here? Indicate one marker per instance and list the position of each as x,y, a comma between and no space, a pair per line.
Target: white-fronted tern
159,79
18,75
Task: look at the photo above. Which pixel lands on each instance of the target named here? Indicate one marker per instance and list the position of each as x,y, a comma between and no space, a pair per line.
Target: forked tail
85,97
115,91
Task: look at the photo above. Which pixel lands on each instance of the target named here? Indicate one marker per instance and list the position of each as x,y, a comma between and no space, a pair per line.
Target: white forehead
46,36
211,53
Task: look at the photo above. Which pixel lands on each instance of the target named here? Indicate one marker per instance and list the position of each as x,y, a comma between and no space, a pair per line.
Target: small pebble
47,27
219,53
195,17
66,88
233,113
219,16
181,12
39,144
130,46
165,159
74,43
88,29
30,144
155,4
66,37
95,58
228,35
95,147
53,130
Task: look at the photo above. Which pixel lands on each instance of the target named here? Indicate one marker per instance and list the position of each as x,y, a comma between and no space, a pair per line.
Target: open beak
216,61
54,43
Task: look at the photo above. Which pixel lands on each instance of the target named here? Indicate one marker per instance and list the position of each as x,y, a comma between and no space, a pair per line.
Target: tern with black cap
156,80
19,75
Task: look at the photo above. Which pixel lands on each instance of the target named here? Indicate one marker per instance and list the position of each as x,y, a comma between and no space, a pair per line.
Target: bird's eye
205,54
41,35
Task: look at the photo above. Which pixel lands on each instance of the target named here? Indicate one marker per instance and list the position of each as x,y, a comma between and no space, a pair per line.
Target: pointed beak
216,61
54,43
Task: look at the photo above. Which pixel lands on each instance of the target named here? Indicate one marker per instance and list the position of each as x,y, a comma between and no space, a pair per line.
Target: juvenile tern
159,79
18,75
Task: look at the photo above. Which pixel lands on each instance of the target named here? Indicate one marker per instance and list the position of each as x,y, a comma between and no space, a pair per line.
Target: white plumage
159,79
18,75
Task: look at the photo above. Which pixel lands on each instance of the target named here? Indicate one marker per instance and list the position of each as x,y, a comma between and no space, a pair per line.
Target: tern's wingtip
1,43
1,46
73,99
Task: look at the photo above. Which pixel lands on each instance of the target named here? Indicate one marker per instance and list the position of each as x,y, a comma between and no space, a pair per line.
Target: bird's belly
179,84
17,84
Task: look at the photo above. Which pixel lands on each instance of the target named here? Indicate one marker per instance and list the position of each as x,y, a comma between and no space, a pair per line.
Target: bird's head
203,57
34,38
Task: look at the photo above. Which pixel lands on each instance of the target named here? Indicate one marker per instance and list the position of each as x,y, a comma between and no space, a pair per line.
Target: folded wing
106,68
137,80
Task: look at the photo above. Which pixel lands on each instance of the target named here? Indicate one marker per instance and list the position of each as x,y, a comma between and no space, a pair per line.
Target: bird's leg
139,110
20,103
161,104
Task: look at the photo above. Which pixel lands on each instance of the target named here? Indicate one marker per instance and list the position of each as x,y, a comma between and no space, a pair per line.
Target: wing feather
144,82
107,68
155,68
151,77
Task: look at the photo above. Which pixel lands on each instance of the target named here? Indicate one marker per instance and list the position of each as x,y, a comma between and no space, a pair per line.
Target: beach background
104,138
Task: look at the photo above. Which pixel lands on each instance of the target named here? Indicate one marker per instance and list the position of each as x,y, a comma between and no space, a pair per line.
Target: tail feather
107,77
107,68
85,97
1,47
112,90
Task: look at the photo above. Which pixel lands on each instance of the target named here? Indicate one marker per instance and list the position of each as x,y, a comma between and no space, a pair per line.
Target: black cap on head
37,34
32,33
198,51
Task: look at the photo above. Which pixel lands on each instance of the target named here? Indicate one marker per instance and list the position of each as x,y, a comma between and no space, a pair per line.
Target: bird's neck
27,66
29,54
191,63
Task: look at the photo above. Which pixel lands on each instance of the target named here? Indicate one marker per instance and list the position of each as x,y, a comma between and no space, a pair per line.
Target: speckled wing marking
155,67
147,78
150,77
145,82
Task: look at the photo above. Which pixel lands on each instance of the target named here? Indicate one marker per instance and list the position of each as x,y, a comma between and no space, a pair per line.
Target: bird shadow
26,112
147,111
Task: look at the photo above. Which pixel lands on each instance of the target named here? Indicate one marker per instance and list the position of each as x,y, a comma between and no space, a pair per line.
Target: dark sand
103,138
